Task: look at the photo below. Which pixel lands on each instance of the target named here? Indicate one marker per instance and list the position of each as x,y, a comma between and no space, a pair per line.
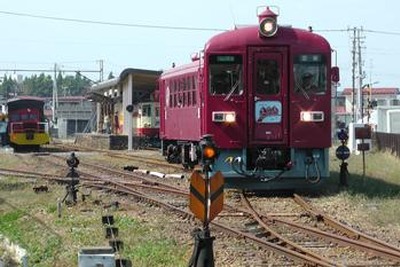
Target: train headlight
312,116
224,116
268,27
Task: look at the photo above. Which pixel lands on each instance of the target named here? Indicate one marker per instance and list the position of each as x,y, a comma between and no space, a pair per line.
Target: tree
74,85
41,85
8,87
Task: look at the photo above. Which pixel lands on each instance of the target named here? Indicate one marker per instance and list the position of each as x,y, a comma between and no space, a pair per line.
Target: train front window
268,77
310,74
226,75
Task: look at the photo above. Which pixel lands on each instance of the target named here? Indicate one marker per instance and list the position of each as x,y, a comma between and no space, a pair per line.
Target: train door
268,91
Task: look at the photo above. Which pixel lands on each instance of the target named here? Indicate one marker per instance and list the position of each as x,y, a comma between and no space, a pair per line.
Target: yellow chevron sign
206,202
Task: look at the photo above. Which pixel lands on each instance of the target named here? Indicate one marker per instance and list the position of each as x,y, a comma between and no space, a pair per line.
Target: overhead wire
165,27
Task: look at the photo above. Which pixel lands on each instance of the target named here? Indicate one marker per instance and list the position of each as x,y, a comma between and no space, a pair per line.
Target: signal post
343,153
206,202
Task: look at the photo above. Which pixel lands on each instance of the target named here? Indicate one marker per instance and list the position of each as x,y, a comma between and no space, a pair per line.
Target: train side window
268,77
189,98
183,82
310,74
226,75
194,98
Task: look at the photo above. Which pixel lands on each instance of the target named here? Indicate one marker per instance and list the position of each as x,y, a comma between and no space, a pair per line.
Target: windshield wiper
231,91
301,89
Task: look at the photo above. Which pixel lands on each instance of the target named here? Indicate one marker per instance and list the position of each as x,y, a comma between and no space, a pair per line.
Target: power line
331,30
163,27
45,70
347,30
383,32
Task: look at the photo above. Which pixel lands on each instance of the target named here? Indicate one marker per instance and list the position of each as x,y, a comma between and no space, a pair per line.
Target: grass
375,192
30,220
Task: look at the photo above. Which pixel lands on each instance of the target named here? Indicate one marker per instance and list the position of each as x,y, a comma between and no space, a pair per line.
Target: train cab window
226,75
310,74
146,111
268,77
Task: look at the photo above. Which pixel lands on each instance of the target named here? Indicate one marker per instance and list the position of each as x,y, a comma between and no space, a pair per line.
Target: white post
129,114
98,117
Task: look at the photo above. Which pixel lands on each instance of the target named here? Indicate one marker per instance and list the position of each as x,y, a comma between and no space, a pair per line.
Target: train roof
25,98
24,102
182,69
240,38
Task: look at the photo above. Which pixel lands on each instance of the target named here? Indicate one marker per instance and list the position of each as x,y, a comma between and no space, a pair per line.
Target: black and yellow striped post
206,202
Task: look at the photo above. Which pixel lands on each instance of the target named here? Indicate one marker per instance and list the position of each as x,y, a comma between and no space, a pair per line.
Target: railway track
270,231
123,155
338,234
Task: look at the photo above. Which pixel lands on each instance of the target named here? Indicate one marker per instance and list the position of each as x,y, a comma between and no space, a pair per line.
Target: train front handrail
22,127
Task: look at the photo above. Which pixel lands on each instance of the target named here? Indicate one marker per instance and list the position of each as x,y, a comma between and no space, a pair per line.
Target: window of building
381,102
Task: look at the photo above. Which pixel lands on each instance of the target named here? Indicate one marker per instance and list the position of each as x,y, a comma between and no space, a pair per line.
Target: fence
387,142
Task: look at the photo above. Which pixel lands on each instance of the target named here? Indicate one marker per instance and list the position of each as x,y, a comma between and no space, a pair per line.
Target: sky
29,41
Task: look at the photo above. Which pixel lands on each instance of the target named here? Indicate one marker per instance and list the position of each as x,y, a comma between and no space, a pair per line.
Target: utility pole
357,104
360,75
55,95
101,72
353,51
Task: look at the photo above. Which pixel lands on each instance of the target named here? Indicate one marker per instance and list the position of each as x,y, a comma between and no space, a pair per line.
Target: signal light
208,150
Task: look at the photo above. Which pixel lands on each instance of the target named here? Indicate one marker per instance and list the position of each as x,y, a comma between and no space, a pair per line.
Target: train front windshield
226,75
310,74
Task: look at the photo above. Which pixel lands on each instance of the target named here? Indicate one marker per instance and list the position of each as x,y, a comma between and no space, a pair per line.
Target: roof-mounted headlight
268,27
268,21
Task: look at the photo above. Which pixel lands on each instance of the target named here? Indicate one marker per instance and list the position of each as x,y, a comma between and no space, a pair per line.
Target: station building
118,101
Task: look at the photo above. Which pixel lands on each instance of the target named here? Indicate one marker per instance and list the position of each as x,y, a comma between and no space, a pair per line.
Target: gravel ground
233,251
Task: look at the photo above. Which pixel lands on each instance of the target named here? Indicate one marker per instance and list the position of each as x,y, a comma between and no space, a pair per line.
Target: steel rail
123,173
284,241
364,246
119,155
346,230
294,255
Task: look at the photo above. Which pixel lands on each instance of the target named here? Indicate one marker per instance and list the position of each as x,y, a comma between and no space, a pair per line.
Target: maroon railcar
264,93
